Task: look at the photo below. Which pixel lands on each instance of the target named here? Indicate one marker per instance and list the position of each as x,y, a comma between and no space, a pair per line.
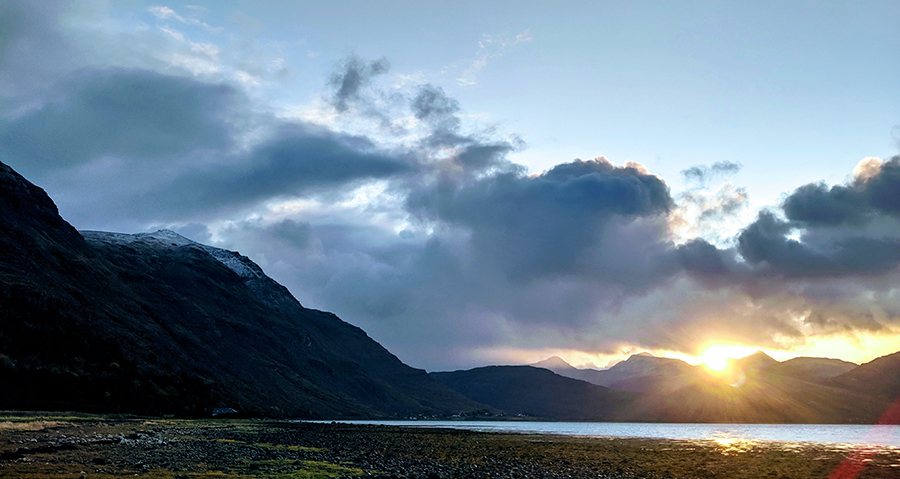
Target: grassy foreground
78,446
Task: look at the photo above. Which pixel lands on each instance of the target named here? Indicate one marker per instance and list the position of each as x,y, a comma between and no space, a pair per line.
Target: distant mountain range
758,389
637,366
158,324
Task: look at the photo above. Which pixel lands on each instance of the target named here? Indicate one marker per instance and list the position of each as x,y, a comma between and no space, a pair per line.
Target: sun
717,359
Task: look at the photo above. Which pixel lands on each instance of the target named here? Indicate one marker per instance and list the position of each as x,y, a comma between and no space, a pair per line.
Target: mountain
818,370
754,390
751,396
755,362
757,389
880,377
555,364
158,324
617,377
637,366
537,393
559,366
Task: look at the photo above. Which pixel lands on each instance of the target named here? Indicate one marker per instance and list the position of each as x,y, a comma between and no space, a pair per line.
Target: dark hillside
537,392
817,370
881,377
158,324
750,397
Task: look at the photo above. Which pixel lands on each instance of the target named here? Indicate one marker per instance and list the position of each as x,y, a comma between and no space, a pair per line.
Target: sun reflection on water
728,444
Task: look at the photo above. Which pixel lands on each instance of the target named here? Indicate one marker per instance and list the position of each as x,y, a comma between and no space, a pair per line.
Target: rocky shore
75,447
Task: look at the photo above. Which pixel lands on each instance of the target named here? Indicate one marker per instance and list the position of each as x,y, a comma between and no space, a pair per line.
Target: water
872,435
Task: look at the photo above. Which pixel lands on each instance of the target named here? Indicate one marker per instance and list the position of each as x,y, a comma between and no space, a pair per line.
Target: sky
480,183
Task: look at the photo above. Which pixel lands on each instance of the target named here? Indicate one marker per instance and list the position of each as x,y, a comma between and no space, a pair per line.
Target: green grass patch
290,469
272,447
282,447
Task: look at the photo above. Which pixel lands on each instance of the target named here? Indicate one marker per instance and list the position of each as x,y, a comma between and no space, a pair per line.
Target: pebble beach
103,447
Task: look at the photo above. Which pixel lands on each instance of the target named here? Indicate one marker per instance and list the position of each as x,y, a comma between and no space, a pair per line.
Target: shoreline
878,435
74,447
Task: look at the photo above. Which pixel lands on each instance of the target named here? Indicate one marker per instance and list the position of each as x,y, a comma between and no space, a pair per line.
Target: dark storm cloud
297,234
765,243
134,114
816,204
351,77
829,225
704,260
295,160
167,147
853,204
32,50
546,224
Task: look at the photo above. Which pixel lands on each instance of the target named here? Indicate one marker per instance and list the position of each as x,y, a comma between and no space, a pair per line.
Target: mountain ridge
537,393
635,366
755,388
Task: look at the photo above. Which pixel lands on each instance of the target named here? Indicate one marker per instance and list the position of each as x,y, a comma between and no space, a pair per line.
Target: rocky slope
158,324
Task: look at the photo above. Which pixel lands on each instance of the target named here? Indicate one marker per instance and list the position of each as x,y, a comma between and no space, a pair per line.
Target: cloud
33,51
702,174
558,222
841,229
135,114
173,148
706,211
825,263
423,231
705,261
432,105
873,192
296,160
166,13
351,77
465,154
848,230
490,48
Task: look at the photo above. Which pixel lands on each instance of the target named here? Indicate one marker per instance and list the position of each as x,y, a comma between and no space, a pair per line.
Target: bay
837,434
